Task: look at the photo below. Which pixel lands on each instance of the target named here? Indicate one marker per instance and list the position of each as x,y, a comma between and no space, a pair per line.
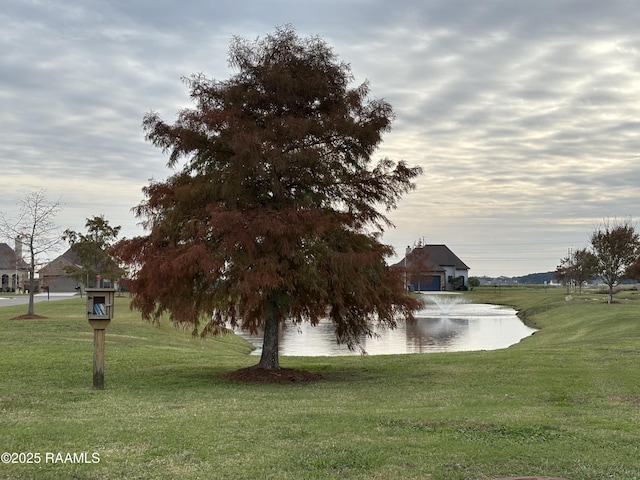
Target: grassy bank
564,402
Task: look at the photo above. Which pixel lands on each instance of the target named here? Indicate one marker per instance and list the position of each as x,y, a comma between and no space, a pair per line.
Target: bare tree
35,227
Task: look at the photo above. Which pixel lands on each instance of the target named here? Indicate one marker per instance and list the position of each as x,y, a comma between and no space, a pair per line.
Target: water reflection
458,327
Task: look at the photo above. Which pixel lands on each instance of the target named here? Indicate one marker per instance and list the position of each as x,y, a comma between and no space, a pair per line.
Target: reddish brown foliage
616,245
633,271
274,214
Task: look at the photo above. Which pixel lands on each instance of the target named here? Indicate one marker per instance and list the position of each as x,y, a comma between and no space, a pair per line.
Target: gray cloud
524,115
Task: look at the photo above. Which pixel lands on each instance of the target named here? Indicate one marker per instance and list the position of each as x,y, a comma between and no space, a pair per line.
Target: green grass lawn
564,402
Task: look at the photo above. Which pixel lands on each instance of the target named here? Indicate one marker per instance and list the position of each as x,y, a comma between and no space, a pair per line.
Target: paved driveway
39,297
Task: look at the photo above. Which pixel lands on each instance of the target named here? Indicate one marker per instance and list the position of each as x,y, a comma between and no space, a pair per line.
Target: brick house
14,271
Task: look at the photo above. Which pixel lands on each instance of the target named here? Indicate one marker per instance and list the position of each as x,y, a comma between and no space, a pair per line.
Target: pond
447,323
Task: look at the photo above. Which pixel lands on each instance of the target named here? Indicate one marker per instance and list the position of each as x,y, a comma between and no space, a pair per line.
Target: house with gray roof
433,268
14,271
54,275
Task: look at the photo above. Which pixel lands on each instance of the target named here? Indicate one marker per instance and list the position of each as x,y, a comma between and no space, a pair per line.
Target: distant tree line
612,256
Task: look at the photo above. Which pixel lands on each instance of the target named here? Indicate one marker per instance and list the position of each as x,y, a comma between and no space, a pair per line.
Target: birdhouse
100,306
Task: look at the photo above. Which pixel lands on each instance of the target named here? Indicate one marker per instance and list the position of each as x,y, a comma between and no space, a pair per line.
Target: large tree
92,250
34,225
274,213
616,245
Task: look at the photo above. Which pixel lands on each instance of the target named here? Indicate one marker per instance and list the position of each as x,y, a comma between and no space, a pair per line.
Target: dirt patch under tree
265,376
26,316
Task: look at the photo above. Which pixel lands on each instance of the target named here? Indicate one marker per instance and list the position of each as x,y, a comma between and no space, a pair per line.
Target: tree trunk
30,309
269,359
610,296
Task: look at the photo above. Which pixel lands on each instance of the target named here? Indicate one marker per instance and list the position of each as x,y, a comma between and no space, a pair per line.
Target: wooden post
99,313
98,359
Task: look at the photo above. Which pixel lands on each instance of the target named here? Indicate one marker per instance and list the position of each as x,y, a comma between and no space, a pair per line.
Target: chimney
18,249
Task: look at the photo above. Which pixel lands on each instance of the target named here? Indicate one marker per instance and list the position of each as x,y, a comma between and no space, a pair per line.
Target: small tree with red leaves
273,216
616,245
633,271
577,267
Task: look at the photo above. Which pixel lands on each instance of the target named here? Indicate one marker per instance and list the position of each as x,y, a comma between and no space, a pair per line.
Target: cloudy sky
525,115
